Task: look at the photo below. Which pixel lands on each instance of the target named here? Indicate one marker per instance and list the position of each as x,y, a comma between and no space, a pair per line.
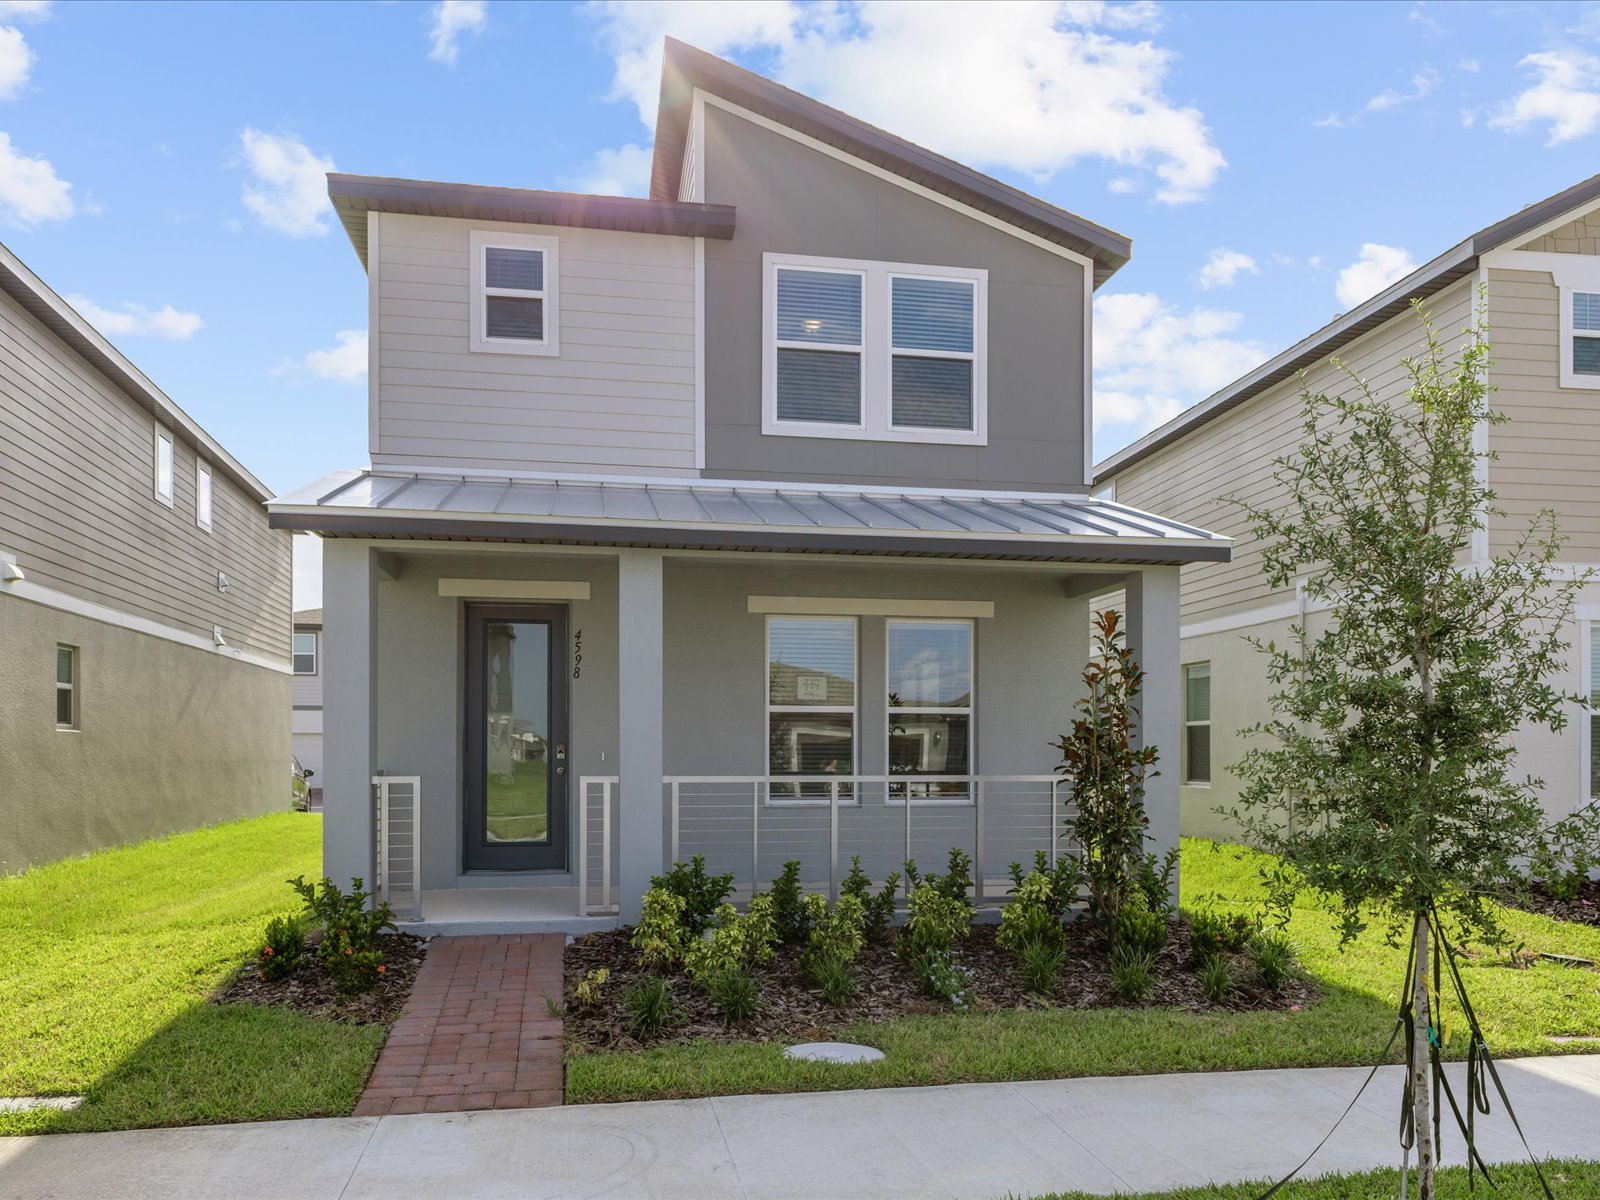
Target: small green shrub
937,920
940,977
737,942
702,894
1273,955
788,904
283,948
1131,971
879,906
648,1005
1154,879
735,992
831,975
350,931
1212,931
1038,963
955,883
838,933
660,937
590,986
1032,916
1065,876
1216,978
1138,928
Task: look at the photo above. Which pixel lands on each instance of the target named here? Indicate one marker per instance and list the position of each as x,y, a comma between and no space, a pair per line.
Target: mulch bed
309,988
792,1009
1583,910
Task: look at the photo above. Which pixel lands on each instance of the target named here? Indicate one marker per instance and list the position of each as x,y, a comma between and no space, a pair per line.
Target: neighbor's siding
78,507
619,396
1576,237
1232,455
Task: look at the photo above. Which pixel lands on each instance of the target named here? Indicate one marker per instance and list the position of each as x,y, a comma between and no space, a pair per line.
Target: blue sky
1274,164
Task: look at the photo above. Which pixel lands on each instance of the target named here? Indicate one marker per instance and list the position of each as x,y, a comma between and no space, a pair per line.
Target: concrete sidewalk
974,1140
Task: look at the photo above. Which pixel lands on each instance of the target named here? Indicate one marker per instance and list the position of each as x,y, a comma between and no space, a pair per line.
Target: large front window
811,703
930,708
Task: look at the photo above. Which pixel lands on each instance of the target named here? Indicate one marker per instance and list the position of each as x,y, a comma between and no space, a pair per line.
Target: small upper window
819,346
514,293
66,687
1197,723
202,497
163,480
305,653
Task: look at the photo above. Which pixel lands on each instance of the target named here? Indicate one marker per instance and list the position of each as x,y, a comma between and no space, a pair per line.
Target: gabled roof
685,68
61,319
1427,280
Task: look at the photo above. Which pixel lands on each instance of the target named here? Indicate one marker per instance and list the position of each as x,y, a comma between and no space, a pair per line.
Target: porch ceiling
727,515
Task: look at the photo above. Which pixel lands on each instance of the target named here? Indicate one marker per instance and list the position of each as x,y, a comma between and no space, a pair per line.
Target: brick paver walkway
476,1032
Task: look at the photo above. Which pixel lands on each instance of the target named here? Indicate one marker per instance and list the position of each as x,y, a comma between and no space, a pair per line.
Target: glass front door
516,777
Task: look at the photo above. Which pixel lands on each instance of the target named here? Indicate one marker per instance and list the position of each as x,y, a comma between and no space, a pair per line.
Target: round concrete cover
838,1052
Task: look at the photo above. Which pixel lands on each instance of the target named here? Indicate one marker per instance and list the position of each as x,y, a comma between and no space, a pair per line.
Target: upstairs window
305,654
1585,337
163,479
202,497
514,309
880,351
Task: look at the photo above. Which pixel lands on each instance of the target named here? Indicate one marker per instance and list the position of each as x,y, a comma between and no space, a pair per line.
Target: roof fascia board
1536,220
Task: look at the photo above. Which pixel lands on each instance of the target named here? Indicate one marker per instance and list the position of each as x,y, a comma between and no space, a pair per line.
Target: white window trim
482,240
72,688
1570,273
798,801
162,436
1569,375
971,711
204,490
877,357
316,652
1188,724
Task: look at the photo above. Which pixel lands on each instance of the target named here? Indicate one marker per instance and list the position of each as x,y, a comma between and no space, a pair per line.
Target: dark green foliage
736,993
1212,931
1154,877
649,1006
283,948
941,978
1273,955
788,904
1034,914
1216,977
1131,972
350,930
937,920
1138,928
831,975
702,894
956,882
879,907
1065,877
1038,963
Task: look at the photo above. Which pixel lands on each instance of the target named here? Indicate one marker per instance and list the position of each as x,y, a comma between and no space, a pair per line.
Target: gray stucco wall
792,199
171,738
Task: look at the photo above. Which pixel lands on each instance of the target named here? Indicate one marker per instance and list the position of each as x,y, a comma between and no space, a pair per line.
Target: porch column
641,761
1153,618
349,706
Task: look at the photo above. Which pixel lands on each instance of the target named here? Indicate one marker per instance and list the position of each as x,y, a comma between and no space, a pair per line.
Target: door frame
477,854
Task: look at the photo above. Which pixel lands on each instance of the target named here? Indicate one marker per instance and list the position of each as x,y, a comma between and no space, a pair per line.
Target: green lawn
519,808
1516,1182
105,963
1519,1009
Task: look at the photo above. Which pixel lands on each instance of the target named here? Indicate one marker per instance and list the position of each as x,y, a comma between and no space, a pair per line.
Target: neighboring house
307,719
144,601
1539,270
748,519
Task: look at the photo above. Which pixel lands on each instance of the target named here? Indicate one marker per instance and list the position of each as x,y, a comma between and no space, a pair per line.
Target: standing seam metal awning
736,515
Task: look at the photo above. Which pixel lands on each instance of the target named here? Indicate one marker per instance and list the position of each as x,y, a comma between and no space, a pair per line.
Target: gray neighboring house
144,601
750,519
306,722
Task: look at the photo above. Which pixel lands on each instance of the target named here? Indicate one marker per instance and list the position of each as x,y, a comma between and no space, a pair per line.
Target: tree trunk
1427,1152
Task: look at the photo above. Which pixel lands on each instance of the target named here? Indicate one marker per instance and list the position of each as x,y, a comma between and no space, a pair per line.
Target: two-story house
144,601
750,519
1534,277
306,723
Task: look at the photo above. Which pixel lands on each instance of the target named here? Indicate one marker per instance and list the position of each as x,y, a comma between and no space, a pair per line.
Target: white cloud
1375,268
447,21
1422,83
624,171
30,189
1038,88
1152,361
135,320
346,362
1224,267
290,193
16,56
1566,95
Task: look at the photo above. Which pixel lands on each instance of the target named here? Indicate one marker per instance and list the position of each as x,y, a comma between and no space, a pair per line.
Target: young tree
1389,778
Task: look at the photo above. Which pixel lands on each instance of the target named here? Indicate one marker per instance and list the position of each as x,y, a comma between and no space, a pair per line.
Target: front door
516,776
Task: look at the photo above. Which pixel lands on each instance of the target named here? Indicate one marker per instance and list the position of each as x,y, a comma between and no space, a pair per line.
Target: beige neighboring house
144,601
306,722
1539,271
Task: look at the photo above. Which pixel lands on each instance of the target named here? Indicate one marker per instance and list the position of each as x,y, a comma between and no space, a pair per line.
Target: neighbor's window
514,293
66,687
1594,713
811,703
930,708
1586,333
202,497
1197,723
884,351
305,653
163,479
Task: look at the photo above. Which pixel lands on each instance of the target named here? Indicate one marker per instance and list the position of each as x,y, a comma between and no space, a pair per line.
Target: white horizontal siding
620,395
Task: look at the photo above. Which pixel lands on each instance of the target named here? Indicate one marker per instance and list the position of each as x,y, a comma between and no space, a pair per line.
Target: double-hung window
881,351
163,477
811,705
305,654
1197,723
514,293
202,496
929,710
66,687
1583,337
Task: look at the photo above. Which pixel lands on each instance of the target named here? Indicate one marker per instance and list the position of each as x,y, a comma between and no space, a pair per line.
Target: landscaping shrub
284,947
955,883
1131,970
1154,877
831,975
589,987
1138,928
1039,961
1273,955
648,1003
1216,978
1212,931
735,992
878,906
838,933
350,930
702,894
737,943
789,904
660,936
1032,916
941,978
937,920
1065,876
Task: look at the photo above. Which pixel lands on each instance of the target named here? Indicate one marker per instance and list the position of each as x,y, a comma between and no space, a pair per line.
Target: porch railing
752,825
597,800
397,824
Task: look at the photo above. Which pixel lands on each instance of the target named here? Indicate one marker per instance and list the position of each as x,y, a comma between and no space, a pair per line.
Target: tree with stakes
1388,777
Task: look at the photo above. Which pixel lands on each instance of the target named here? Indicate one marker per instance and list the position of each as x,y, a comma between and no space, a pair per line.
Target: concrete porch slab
471,912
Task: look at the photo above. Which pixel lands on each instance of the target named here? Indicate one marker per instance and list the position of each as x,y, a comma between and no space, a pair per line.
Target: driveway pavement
973,1140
